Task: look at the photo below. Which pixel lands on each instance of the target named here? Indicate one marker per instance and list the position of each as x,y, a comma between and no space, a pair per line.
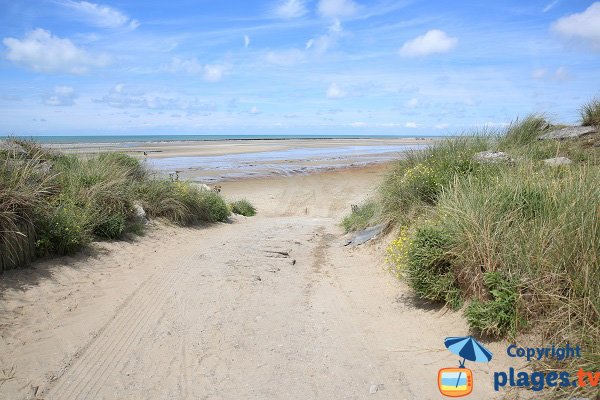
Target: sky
123,67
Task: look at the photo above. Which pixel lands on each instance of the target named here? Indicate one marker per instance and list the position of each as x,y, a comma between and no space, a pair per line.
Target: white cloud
41,51
441,126
410,125
61,96
337,8
321,44
584,26
412,103
285,57
101,15
290,9
191,66
434,41
539,73
246,41
335,92
358,124
561,74
550,6
124,97
254,110
213,72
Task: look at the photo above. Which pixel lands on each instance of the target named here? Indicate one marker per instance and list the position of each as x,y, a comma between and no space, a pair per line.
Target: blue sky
292,66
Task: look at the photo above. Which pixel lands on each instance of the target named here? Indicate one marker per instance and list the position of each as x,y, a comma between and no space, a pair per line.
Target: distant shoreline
134,139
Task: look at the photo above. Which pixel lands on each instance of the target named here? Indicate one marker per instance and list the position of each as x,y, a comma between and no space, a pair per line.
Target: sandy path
272,306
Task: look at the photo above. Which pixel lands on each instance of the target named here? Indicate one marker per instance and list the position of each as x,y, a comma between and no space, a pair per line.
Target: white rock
557,161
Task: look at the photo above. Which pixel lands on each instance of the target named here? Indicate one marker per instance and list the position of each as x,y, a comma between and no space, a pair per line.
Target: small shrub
361,217
64,230
429,268
243,207
590,113
112,227
497,316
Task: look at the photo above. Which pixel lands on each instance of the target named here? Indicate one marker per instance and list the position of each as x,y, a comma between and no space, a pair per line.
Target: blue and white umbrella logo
468,348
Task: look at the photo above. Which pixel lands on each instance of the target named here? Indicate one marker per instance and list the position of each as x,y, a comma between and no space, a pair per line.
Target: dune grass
361,217
69,200
590,113
242,207
515,245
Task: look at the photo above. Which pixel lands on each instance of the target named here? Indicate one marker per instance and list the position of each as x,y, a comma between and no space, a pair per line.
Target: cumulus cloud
288,9
432,42
410,124
581,26
285,57
101,15
441,126
122,96
41,51
61,96
191,66
254,110
246,41
337,8
539,73
412,103
213,72
358,124
335,92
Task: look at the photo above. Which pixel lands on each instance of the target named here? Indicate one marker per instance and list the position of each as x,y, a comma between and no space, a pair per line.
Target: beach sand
268,307
212,162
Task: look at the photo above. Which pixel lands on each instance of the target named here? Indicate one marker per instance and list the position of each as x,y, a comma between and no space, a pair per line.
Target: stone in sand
493,157
570,132
558,161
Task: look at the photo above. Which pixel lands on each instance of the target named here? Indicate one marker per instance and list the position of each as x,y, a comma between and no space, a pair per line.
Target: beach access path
268,307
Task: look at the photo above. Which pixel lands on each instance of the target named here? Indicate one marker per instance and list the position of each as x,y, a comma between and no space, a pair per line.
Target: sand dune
272,306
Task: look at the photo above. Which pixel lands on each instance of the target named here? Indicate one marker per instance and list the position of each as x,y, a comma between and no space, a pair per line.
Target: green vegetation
518,243
242,207
590,113
361,216
57,203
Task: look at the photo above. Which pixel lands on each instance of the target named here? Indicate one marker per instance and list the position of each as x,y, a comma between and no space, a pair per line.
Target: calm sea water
187,138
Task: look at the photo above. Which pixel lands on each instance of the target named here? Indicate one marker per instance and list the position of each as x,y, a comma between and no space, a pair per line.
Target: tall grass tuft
590,113
524,132
52,203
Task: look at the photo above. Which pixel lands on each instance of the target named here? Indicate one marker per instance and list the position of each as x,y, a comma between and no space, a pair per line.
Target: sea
191,138
299,160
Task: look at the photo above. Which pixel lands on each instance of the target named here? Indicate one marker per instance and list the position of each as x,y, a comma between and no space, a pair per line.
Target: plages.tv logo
458,382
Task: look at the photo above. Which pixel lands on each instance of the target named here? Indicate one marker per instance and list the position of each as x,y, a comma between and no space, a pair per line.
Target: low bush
429,266
498,315
361,217
242,207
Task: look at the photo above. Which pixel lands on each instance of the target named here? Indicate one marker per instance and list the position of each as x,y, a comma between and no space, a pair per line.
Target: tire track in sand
87,375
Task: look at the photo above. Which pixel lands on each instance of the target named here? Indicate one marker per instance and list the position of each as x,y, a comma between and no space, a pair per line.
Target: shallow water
278,162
